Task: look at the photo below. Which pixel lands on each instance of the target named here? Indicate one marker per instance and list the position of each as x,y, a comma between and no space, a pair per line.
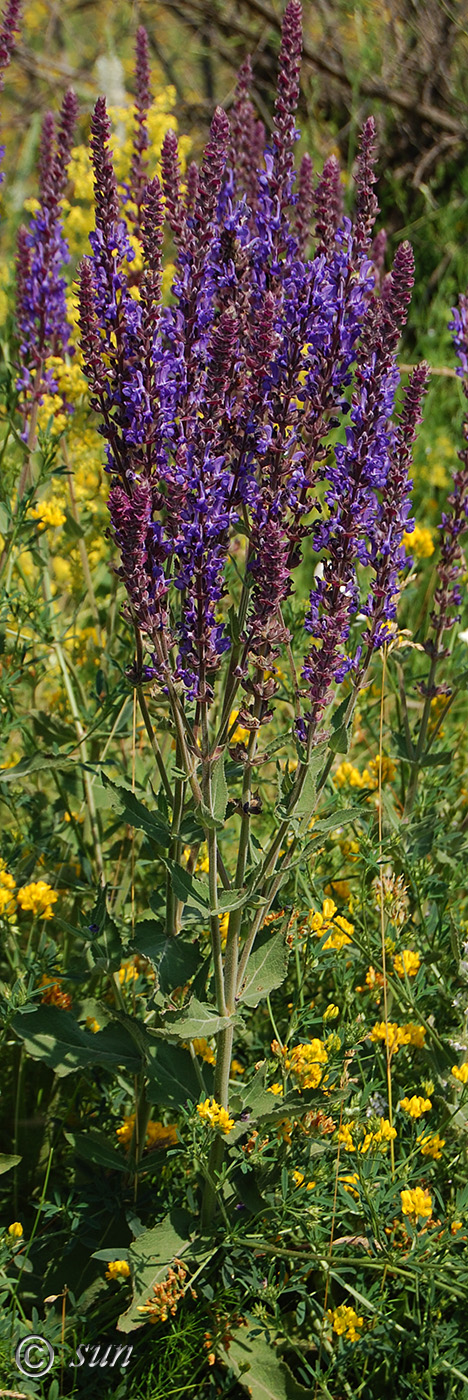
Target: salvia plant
259,449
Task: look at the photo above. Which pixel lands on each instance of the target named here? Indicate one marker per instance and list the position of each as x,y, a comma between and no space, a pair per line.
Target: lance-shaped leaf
136,814
194,893
7,1162
197,1021
173,1081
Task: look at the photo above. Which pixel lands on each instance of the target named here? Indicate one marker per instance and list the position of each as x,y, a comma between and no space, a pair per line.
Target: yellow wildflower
15,1230
346,1138
320,923
370,775
431,1145
157,1134
408,962
92,1024
396,1036
7,884
217,1117
127,973
347,775
416,1203
345,1322
49,514
331,1012
276,1089
419,542
348,1183
38,898
460,1072
416,1106
299,1180
118,1268
305,1061
203,1050
379,1139
236,1067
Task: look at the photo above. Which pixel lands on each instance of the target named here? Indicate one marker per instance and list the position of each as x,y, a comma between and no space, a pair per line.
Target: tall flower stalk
251,418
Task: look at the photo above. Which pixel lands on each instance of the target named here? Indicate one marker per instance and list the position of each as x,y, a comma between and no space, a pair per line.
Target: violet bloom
42,253
9,26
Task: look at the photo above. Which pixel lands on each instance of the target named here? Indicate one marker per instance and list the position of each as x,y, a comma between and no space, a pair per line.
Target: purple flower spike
143,100
328,206
42,253
9,27
304,206
286,133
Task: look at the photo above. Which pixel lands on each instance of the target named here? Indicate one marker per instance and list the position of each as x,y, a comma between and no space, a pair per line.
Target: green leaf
266,968
339,740
192,892
150,1256
436,760
175,960
232,899
219,789
53,1035
136,814
7,1162
36,763
105,942
172,1076
267,1377
335,820
93,1147
305,804
198,1021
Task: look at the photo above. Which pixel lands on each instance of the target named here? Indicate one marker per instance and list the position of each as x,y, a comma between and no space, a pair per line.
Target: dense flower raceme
42,253
8,28
218,409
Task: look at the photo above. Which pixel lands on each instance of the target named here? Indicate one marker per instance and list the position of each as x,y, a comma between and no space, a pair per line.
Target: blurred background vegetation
405,61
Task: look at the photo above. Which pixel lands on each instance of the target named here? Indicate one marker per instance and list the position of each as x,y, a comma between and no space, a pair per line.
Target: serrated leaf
266,968
267,1377
175,959
36,764
7,1162
136,814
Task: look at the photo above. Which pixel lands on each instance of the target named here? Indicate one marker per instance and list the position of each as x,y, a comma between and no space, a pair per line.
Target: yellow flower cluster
416,1106
217,1117
379,1139
431,1145
299,1180
157,1134
419,542
118,1268
49,514
92,1024
203,1050
15,1230
127,973
37,898
408,962
460,1072
417,1203
305,1062
347,775
345,1322
329,918
396,1036
166,1295
7,899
